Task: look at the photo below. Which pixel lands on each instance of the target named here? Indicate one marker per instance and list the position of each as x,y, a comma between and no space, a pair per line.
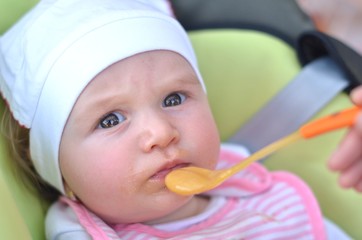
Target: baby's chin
161,207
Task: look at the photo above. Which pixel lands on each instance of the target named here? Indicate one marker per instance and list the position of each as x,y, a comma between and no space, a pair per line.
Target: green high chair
243,69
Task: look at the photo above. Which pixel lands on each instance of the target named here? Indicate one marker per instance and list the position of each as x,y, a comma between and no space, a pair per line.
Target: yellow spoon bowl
194,180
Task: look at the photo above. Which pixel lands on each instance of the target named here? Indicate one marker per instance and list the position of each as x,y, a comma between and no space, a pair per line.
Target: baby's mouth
167,168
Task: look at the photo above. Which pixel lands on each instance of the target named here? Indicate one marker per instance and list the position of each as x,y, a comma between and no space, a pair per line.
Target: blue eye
173,99
111,120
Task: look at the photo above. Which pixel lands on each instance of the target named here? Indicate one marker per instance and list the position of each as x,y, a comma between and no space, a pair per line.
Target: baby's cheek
211,148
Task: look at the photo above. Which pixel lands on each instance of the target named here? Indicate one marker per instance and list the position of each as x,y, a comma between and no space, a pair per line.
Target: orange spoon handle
334,121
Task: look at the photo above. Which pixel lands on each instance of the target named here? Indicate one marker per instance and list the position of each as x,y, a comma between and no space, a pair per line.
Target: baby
113,101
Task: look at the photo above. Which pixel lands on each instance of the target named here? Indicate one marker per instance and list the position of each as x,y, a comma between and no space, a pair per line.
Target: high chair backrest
243,69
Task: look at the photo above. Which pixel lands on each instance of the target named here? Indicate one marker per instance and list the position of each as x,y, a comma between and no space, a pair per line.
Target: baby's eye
174,99
111,120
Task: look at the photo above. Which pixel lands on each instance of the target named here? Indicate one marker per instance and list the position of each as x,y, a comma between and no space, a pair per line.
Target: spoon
194,180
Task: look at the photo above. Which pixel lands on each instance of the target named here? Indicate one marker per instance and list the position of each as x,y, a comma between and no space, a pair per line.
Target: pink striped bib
257,204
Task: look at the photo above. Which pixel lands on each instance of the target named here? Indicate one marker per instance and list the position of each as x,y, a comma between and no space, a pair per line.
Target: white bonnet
56,49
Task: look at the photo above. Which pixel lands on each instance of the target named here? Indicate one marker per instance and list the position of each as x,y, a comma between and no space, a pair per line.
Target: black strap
313,44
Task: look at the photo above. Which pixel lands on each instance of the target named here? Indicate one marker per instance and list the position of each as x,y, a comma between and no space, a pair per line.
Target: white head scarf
54,51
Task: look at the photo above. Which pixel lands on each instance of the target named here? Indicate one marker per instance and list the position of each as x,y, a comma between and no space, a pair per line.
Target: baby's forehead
147,61
158,67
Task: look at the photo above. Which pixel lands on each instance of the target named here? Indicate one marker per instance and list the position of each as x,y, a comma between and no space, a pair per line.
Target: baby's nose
158,132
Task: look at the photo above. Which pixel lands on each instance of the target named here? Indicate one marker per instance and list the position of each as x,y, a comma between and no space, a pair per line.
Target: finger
356,95
347,153
358,124
351,176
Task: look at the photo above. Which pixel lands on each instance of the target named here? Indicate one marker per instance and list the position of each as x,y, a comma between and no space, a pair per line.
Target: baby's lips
168,167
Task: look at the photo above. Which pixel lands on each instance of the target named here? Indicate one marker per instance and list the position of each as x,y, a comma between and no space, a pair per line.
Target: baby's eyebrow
96,107
191,79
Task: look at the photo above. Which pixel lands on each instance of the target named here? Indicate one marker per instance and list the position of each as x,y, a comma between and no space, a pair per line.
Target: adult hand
347,159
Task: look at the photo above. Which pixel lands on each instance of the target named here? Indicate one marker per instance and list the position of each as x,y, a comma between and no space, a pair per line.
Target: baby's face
135,122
